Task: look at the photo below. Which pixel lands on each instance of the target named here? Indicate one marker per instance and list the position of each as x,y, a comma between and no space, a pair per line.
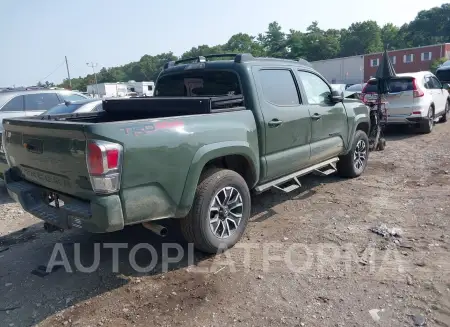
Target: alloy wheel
360,155
225,212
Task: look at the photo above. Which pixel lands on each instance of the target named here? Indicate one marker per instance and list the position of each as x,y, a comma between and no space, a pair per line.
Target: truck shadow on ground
4,196
262,206
25,254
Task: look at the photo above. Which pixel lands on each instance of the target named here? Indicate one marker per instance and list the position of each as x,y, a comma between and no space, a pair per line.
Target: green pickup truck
216,130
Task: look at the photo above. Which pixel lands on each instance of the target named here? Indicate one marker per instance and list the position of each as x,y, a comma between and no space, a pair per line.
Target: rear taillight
417,91
104,165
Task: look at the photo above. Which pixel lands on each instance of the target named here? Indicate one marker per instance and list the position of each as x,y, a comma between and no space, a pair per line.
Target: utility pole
68,73
93,65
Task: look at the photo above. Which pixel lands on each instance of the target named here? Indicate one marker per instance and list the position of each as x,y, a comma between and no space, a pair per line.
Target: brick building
358,68
407,60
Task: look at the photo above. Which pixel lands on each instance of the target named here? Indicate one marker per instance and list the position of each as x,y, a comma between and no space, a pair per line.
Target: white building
347,70
141,88
107,90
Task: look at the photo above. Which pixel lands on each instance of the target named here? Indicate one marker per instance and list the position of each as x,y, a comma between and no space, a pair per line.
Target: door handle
316,116
275,122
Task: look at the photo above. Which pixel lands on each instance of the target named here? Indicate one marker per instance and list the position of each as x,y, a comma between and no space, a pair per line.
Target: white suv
413,98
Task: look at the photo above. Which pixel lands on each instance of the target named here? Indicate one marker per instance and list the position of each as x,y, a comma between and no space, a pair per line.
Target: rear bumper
407,119
101,215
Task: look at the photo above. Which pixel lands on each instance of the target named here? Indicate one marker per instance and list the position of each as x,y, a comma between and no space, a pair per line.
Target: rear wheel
428,123
220,212
443,118
354,162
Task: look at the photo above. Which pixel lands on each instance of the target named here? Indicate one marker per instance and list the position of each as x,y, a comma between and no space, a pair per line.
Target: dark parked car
355,89
70,107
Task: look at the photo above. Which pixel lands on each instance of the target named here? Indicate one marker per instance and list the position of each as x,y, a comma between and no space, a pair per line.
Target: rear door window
41,101
15,104
278,87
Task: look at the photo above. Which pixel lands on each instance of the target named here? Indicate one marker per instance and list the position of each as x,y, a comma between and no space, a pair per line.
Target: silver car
21,103
33,102
414,98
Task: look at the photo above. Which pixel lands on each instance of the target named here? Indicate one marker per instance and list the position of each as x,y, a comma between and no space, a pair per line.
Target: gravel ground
372,251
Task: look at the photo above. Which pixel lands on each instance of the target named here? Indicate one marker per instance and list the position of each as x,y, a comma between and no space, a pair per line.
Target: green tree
436,63
361,38
428,27
202,50
295,45
391,37
244,43
318,44
274,41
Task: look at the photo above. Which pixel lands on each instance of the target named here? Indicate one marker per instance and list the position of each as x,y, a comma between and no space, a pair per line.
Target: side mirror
336,96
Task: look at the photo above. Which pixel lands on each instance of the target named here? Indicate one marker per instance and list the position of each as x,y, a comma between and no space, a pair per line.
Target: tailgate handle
33,148
29,147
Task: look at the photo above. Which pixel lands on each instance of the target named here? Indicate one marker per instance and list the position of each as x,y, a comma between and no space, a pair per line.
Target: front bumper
100,215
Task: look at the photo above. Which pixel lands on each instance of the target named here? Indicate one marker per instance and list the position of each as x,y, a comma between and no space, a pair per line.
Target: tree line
429,27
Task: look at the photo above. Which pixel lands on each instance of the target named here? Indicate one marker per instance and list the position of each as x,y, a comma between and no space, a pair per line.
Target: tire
443,118
197,227
427,124
347,164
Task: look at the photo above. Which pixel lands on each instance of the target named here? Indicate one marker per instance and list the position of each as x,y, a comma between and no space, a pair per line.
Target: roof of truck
203,62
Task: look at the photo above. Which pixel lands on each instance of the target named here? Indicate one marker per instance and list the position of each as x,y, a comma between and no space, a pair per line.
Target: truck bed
154,107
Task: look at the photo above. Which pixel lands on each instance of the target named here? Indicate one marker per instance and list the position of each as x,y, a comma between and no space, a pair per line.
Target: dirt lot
334,271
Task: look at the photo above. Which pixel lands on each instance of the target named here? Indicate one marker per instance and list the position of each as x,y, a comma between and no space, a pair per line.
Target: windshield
200,83
62,109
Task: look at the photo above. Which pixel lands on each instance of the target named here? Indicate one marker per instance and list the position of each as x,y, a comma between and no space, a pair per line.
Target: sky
36,35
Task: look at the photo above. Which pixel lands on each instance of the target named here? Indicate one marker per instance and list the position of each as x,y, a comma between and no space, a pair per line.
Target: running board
295,184
328,171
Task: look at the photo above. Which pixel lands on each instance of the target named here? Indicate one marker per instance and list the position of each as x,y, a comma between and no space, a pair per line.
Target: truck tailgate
51,154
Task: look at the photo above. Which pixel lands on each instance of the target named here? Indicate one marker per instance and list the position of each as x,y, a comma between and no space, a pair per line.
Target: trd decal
150,128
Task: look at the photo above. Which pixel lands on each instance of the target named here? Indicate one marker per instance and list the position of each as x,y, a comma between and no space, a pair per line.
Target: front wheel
354,162
220,212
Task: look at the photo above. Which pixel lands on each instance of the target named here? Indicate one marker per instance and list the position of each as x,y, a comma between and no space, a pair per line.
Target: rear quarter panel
163,158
